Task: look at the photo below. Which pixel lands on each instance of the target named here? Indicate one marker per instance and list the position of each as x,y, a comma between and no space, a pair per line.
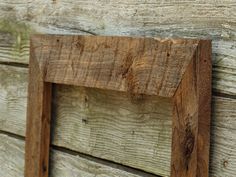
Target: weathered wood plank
14,41
13,108
108,125
211,19
62,164
38,120
191,117
223,139
127,17
149,66
13,98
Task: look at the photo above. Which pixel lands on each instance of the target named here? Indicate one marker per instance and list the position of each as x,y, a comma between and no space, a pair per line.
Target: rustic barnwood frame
179,69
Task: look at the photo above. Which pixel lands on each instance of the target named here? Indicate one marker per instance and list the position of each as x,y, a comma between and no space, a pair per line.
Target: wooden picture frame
178,69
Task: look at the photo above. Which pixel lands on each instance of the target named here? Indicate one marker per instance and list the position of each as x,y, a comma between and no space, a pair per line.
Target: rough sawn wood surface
198,19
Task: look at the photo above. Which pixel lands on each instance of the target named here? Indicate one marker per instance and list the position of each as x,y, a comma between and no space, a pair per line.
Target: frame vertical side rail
38,121
191,117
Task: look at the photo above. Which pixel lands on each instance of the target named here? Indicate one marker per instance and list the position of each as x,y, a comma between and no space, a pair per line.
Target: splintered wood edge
191,106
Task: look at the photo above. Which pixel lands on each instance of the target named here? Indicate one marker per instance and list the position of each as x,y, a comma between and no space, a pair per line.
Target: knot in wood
188,144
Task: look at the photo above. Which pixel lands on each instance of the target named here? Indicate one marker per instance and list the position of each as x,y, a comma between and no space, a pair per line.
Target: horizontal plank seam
13,135
223,95
16,64
105,162
88,157
83,30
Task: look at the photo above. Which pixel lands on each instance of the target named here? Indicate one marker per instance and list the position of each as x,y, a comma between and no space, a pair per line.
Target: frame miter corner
178,69
191,116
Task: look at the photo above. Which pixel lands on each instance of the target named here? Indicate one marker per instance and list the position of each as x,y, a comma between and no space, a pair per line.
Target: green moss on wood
19,34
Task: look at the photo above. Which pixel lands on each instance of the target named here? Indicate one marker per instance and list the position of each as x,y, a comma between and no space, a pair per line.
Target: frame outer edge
204,103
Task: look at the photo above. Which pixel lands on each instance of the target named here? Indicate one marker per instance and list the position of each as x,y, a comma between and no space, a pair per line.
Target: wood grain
211,19
191,121
13,98
223,139
79,111
109,125
68,101
185,125
172,68
38,120
130,17
148,66
138,66
62,164
204,80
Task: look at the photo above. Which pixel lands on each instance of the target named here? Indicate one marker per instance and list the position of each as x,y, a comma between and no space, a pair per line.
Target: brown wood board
177,69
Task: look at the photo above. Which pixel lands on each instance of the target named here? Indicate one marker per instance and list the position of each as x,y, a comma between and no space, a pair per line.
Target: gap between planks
223,95
15,64
88,157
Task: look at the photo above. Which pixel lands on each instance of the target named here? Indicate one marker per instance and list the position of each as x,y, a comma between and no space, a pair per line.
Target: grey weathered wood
223,118
62,164
126,17
212,19
108,125
13,98
14,41
223,139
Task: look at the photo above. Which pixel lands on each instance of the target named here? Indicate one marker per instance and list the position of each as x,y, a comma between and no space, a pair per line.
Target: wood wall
214,19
